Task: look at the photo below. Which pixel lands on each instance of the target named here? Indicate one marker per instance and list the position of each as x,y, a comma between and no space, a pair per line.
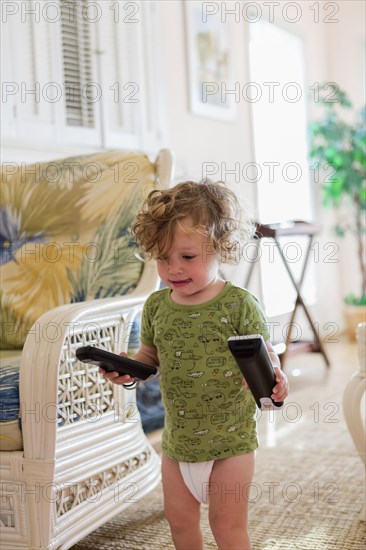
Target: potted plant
338,146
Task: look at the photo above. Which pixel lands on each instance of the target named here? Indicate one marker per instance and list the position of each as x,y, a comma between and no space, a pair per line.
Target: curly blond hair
213,208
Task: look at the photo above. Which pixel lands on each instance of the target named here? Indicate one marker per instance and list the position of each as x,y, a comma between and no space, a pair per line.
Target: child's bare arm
280,391
146,354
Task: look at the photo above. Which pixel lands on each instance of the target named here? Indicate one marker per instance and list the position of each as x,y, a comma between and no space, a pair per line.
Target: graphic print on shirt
208,414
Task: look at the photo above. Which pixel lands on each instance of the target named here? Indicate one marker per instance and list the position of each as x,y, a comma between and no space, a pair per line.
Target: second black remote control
252,357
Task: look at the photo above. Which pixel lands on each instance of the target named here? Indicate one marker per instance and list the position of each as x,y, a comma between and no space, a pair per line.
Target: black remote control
111,362
253,360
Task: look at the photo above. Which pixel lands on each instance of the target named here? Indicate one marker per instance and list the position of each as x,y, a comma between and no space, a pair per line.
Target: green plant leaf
353,300
339,231
341,144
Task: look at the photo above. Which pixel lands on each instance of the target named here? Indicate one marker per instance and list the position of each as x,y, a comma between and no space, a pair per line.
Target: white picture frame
209,64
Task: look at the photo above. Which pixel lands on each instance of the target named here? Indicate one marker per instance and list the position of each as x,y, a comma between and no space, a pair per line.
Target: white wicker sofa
85,456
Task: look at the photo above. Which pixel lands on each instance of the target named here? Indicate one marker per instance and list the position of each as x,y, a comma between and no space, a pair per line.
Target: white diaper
196,476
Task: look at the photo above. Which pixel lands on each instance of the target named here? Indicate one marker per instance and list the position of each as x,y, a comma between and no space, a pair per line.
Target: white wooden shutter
118,43
8,85
84,81
82,91
28,53
152,100
128,44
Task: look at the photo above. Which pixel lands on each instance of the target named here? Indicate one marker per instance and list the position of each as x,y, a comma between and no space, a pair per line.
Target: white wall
333,40
199,140
346,65
346,45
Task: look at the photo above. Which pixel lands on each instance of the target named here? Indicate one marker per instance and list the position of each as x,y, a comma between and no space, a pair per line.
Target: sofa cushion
149,404
9,389
148,394
65,234
10,432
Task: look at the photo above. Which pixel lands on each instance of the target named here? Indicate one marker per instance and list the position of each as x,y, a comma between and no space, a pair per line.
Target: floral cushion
65,238
65,234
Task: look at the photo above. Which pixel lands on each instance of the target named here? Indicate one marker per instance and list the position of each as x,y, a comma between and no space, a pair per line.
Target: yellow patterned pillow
65,234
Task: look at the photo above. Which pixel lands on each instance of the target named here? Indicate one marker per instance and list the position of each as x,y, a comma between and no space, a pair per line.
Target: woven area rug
307,491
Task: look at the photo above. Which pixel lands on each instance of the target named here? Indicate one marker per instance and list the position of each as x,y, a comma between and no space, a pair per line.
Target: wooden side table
275,231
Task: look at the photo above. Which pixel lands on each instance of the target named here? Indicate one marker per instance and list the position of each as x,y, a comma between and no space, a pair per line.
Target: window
280,141
81,73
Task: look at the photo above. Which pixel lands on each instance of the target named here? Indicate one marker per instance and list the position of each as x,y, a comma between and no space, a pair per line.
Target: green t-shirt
208,415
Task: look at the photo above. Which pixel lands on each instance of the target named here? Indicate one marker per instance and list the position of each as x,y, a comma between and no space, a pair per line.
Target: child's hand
280,391
117,378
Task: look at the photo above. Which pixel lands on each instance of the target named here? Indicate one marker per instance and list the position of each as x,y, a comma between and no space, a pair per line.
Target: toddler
210,435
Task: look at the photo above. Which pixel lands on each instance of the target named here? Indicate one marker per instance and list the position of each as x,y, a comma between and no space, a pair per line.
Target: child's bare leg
228,501
182,510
